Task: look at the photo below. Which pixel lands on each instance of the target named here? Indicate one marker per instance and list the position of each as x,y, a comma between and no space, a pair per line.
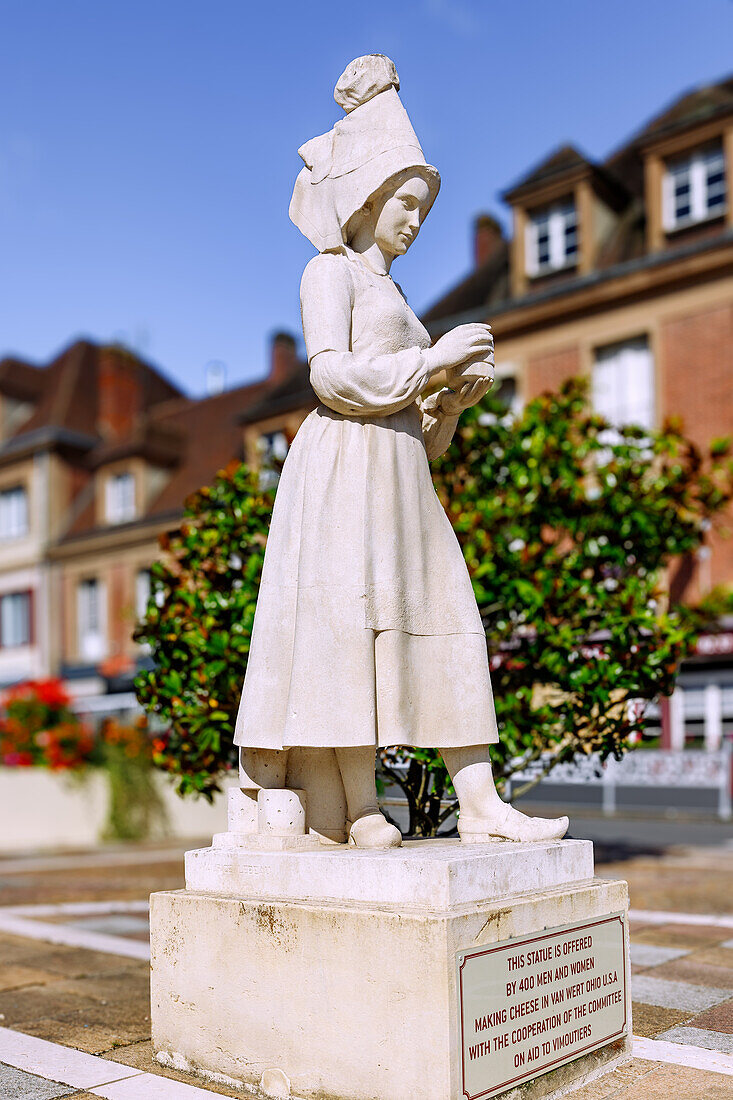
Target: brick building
622,271
97,453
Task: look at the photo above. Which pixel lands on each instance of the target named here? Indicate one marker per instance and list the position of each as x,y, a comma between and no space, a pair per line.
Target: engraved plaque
531,1004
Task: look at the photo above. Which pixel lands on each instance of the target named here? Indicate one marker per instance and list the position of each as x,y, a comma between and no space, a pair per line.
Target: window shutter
531,264
668,215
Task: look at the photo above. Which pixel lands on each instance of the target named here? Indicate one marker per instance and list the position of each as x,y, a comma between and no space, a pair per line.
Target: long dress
366,630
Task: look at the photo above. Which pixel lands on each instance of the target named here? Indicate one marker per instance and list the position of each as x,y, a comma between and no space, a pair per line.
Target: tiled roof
20,380
295,392
191,439
621,177
564,159
213,437
66,392
480,287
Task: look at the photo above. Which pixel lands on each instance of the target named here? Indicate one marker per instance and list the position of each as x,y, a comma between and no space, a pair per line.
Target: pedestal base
357,995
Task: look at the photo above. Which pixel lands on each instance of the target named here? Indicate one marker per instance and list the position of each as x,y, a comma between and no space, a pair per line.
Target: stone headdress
349,164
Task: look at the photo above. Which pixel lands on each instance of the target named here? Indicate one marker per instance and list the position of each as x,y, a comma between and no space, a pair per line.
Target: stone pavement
85,997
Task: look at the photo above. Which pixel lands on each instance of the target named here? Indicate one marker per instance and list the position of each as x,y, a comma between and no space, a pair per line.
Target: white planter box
40,809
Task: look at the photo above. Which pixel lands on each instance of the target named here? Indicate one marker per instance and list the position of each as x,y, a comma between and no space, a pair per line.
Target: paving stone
69,962
649,954
627,1081
122,987
681,995
75,1032
15,977
34,1001
685,936
716,956
15,1084
680,1082
687,969
649,1020
641,926
96,1029
674,883
719,1018
699,1037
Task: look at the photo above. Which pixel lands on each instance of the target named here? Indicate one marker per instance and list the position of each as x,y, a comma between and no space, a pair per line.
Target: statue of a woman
367,632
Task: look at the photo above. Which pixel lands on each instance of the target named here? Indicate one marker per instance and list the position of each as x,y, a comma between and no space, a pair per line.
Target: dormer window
552,239
694,188
120,498
13,512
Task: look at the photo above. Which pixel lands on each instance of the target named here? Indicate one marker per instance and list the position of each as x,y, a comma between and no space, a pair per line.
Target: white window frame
559,218
509,370
271,445
10,605
119,497
143,587
697,167
91,619
14,520
624,383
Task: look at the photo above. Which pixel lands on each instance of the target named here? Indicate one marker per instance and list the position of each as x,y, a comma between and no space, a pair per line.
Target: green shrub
567,529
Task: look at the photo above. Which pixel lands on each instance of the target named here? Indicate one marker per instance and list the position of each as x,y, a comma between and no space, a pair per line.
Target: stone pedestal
329,973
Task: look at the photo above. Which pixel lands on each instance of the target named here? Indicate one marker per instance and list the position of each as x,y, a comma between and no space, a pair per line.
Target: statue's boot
366,827
372,830
503,822
483,816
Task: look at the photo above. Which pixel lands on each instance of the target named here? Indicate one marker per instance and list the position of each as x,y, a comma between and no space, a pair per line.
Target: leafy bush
198,625
135,806
567,528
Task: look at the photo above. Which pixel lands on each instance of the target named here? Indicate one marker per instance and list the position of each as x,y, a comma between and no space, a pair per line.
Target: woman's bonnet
350,163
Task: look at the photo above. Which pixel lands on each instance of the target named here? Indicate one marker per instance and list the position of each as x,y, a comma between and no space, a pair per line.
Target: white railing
691,768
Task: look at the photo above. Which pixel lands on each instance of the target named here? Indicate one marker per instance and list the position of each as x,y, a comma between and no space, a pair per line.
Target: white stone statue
366,631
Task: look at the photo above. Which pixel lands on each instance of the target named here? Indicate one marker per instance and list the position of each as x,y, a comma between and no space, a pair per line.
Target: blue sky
148,148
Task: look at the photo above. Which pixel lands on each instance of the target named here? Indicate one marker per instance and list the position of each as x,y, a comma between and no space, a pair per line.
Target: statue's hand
453,402
472,341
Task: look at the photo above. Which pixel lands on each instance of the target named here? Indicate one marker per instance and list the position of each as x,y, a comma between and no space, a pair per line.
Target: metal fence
689,768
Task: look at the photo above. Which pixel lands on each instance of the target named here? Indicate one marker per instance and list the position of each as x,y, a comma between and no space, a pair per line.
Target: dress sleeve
351,384
437,426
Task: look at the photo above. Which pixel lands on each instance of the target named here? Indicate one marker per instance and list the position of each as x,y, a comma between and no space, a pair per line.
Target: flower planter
41,809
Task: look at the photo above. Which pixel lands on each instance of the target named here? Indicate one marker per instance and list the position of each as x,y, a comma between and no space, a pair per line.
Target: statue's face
398,221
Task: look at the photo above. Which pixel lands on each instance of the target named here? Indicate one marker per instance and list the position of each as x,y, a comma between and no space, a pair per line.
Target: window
15,619
13,512
120,498
623,383
552,239
273,449
91,619
694,188
142,592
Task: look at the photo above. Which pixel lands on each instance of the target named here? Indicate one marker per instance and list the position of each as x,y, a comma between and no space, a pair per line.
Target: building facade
98,451
622,271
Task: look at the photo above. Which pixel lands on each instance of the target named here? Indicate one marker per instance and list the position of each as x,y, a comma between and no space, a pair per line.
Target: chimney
282,357
120,392
487,237
216,377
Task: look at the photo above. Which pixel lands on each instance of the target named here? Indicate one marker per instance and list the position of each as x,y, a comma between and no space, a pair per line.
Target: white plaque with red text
529,1005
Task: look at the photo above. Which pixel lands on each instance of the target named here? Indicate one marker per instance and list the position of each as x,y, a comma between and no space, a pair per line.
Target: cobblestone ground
79,994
